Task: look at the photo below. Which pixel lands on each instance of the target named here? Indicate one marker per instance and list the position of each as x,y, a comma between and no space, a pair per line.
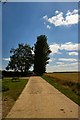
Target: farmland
68,83
66,76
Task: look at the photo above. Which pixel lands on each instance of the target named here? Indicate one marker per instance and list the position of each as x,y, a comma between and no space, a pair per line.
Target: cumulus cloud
6,59
67,64
63,67
54,48
73,53
57,20
56,12
48,26
68,59
69,46
60,19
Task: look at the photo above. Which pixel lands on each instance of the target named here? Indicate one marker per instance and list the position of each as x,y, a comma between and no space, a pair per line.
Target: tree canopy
41,55
21,58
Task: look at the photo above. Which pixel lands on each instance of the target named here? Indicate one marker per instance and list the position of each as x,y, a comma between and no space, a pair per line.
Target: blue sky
23,22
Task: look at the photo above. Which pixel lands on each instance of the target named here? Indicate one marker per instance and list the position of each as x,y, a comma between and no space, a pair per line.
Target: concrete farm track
41,100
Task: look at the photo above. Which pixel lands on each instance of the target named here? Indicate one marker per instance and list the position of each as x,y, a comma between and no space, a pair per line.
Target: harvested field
68,80
67,76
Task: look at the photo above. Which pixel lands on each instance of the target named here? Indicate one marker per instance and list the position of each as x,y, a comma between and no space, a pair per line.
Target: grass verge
11,91
66,91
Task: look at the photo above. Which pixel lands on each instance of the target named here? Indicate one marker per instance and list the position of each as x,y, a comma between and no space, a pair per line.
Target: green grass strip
15,87
66,91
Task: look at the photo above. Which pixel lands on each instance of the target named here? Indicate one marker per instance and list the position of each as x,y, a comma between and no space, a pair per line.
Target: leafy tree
21,59
42,51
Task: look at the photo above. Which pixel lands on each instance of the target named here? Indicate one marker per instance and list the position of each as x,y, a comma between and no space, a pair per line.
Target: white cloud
68,13
75,11
48,26
67,63
45,17
74,63
60,63
71,19
61,67
54,48
6,59
68,59
71,13
58,19
56,12
51,60
73,53
70,46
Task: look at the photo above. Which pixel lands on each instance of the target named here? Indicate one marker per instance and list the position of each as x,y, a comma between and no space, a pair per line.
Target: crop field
68,83
67,76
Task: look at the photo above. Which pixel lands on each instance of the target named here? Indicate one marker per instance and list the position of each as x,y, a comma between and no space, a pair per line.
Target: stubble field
67,76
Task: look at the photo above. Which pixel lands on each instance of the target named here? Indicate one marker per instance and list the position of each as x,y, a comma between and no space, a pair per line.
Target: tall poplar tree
41,55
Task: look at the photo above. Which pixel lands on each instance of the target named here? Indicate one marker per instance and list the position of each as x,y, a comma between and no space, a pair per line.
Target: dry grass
71,77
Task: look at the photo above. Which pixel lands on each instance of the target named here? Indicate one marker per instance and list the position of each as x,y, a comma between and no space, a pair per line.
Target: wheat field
67,76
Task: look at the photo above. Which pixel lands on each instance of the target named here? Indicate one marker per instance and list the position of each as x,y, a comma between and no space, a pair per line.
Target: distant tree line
15,74
22,57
